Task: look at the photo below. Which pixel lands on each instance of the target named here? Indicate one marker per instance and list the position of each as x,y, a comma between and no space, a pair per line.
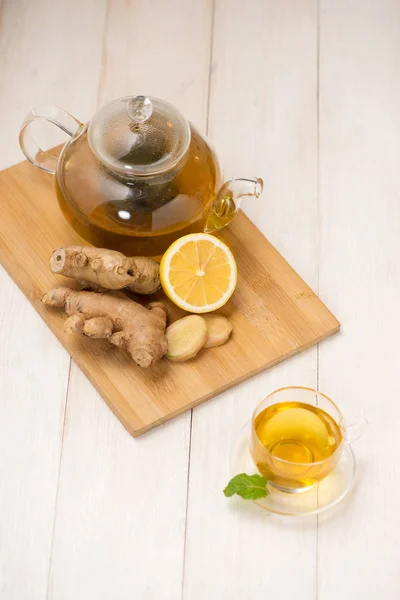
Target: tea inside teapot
137,176
143,216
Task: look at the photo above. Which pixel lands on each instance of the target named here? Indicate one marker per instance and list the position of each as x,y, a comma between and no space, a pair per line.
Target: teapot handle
43,159
228,200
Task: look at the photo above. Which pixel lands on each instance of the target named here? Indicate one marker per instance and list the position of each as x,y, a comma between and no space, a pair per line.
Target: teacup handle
58,117
355,429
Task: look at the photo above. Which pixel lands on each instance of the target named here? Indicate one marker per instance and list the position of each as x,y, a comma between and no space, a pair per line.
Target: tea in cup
298,436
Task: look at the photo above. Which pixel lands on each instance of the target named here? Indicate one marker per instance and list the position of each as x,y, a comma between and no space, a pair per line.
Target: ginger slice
186,337
218,330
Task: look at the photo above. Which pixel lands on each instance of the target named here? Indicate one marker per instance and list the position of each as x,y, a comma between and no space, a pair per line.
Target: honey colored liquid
297,433
142,217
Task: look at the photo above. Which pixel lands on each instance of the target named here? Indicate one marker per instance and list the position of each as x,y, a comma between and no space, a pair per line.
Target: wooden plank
120,520
273,312
359,276
263,121
159,49
38,63
33,380
122,503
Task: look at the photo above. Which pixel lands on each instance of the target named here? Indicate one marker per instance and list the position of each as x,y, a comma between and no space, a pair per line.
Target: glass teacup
297,437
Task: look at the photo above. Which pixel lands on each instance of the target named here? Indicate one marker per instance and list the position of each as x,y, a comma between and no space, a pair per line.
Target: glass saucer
329,492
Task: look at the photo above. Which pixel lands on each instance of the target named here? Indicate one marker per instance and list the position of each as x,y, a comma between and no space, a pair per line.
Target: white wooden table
305,94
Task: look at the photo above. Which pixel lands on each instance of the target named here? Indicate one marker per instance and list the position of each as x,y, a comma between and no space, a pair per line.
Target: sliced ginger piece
186,337
218,330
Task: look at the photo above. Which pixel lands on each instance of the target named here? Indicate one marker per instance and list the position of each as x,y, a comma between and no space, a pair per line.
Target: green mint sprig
249,487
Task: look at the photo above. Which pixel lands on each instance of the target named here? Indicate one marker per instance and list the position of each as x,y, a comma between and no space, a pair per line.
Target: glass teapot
137,176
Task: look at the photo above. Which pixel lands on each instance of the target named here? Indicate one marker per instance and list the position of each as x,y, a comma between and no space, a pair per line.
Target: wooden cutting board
274,313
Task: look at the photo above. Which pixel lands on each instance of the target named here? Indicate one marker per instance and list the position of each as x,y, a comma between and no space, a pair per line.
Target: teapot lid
137,135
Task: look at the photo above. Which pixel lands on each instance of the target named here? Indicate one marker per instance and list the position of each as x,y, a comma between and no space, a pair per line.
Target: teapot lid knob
140,108
138,135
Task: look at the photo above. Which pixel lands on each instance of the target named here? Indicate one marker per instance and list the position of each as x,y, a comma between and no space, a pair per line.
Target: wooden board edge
315,295
139,432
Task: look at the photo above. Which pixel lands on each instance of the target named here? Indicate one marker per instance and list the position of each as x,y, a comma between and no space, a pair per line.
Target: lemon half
198,273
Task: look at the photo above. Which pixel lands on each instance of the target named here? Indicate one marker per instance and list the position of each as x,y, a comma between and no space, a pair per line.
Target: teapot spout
228,200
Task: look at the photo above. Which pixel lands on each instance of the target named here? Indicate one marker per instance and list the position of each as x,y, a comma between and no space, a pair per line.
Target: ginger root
186,337
125,323
100,269
218,330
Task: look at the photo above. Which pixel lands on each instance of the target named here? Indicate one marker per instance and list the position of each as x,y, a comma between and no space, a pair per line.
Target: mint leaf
249,487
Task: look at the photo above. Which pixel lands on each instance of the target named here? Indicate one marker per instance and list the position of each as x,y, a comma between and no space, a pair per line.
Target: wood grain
360,248
110,540
159,49
40,61
31,422
42,65
263,120
273,312
123,532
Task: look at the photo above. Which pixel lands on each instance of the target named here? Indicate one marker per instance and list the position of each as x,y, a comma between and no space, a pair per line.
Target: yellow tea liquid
141,217
300,434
